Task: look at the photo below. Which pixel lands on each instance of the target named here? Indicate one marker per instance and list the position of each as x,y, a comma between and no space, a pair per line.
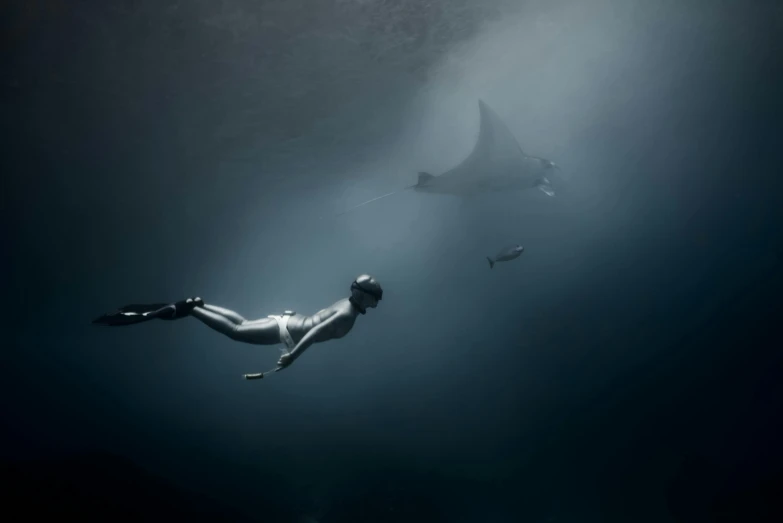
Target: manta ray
497,163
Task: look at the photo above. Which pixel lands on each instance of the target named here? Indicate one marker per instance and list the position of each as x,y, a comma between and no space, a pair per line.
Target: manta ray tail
372,200
491,263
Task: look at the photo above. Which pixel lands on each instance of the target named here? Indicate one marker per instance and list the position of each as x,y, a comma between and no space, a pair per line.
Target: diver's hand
179,309
284,361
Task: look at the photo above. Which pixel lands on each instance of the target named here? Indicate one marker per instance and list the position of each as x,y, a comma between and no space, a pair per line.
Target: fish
506,254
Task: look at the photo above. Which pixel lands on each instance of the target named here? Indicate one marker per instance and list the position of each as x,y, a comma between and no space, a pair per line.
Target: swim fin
129,315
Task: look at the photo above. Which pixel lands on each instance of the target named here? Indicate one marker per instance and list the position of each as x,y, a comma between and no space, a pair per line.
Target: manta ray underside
496,163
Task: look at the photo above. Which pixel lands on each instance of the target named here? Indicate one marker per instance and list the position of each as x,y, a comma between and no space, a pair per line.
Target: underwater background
626,368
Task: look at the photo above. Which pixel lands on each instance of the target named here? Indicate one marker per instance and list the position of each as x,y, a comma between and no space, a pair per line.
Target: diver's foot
195,302
178,310
256,376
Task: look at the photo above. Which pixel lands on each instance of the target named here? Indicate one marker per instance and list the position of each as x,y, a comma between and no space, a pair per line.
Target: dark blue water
624,368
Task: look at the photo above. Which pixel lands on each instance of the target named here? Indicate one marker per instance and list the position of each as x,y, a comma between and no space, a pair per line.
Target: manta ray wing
495,156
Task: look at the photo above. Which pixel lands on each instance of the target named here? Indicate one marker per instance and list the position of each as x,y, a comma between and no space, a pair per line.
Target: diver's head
366,292
519,249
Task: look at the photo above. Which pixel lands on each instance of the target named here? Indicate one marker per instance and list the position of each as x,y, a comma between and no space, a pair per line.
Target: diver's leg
232,316
260,332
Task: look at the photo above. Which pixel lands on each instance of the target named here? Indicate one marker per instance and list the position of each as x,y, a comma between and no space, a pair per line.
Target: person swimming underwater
297,332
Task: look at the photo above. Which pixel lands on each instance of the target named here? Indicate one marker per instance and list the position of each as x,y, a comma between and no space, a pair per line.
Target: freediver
297,332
